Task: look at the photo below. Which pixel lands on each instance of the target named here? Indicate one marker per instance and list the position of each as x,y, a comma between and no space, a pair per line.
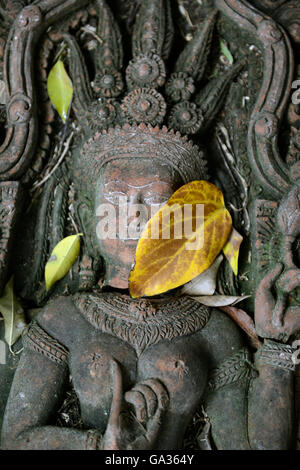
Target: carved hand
273,317
150,401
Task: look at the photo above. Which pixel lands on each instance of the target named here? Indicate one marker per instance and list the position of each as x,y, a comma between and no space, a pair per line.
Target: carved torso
169,340
148,117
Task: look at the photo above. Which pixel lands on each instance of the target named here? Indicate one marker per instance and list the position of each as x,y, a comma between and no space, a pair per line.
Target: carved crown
130,113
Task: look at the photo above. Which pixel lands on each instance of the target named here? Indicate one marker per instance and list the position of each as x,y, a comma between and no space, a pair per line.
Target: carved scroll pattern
9,194
20,142
263,152
277,213
267,238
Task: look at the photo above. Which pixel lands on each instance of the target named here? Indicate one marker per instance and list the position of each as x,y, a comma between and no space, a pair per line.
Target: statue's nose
137,214
135,198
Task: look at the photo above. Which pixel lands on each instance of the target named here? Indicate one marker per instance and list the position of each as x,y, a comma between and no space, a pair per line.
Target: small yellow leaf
232,248
13,314
60,89
167,255
62,259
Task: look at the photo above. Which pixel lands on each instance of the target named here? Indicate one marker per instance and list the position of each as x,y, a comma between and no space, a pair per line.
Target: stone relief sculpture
142,368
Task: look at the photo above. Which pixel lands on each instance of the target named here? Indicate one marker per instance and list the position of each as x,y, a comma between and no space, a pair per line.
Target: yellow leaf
171,260
232,248
62,259
60,89
205,283
13,314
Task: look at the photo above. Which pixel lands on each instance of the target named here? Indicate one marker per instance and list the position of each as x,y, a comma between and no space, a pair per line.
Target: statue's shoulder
222,335
60,318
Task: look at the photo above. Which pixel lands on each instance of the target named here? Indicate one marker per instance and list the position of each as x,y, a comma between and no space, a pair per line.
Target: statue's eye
116,198
155,199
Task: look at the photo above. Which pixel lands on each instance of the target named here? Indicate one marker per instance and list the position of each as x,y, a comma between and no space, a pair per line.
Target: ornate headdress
142,141
119,121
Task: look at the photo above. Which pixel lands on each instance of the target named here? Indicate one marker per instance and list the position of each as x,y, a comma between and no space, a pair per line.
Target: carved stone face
128,193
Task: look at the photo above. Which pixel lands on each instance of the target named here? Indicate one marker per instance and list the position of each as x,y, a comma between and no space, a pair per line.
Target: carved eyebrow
118,182
113,181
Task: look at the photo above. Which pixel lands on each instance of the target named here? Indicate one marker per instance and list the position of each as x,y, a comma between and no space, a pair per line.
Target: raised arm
271,399
251,402
228,382
37,392
272,395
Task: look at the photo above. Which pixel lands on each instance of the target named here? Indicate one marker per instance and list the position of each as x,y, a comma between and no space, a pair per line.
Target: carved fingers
144,400
150,401
273,317
117,395
265,303
288,281
111,438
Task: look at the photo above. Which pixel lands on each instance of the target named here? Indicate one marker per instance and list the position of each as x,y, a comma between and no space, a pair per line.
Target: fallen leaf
205,284
186,244
13,314
60,89
226,51
245,322
232,248
219,300
62,259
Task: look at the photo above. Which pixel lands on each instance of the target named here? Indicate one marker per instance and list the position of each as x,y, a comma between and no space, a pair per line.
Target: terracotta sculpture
133,362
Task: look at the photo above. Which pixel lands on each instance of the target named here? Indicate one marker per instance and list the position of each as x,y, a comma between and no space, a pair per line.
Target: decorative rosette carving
108,84
146,70
144,105
186,118
104,113
179,87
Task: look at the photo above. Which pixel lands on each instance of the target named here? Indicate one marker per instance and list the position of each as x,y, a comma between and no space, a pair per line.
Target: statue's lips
129,241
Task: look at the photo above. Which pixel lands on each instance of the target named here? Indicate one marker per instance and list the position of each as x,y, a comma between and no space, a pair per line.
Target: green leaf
60,89
62,259
13,314
226,51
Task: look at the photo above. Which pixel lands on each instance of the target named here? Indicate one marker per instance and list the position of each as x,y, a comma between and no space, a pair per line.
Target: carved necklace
142,322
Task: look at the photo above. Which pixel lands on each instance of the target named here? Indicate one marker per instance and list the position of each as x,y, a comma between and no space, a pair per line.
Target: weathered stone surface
157,359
